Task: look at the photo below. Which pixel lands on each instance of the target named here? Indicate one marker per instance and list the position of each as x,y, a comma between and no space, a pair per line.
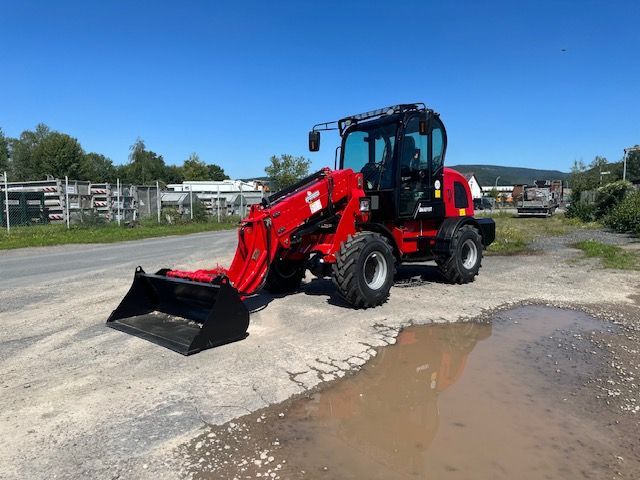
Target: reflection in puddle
387,416
455,401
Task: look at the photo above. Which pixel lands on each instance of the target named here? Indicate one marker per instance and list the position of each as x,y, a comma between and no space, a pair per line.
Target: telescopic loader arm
270,228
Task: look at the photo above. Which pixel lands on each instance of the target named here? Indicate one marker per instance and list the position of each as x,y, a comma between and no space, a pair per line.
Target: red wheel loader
391,201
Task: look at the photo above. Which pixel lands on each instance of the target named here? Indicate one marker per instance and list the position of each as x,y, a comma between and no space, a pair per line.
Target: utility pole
218,203
66,194
191,201
6,200
118,200
158,200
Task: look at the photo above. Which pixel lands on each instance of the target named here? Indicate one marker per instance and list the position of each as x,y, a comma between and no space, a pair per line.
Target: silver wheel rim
375,270
469,254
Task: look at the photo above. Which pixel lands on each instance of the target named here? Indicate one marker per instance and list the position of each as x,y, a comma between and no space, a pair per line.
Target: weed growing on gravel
513,234
510,240
611,256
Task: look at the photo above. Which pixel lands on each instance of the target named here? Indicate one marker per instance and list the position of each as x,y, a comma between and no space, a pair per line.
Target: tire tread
343,272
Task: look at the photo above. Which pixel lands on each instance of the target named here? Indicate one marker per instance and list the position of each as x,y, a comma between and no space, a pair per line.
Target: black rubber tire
285,276
452,266
348,271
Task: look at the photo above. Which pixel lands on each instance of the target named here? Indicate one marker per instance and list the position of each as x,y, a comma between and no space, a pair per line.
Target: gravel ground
81,400
585,370
555,243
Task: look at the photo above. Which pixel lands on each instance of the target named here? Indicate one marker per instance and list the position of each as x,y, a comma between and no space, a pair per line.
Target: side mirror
423,126
314,141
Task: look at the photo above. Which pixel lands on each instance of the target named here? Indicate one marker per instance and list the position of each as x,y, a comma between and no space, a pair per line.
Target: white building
237,195
474,185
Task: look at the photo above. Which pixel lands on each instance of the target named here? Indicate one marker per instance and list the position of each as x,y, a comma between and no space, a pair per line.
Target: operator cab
400,152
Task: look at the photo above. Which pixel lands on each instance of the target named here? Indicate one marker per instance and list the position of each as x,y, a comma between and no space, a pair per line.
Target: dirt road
78,399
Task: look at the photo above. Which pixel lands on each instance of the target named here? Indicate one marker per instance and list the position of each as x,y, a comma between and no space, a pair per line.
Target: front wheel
364,270
465,256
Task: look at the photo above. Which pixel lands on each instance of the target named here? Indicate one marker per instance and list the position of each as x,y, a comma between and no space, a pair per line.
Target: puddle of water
454,401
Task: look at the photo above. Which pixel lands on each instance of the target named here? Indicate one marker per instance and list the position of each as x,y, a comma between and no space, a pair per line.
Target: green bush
199,212
171,216
625,216
609,196
582,211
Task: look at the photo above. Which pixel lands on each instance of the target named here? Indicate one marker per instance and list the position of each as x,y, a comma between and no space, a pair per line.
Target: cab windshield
370,151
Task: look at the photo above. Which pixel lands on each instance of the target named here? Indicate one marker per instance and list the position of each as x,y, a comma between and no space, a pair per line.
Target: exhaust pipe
184,316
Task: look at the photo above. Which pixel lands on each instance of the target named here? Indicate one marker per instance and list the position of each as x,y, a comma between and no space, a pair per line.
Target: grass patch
611,256
514,234
47,235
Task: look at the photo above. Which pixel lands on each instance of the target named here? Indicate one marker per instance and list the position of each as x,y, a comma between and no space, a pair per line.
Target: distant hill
486,174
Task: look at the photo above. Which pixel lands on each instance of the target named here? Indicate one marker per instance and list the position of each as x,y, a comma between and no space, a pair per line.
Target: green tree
582,178
22,160
194,168
98,168
58,154
286,169
216,172
144,165
599,162
173,174
4,152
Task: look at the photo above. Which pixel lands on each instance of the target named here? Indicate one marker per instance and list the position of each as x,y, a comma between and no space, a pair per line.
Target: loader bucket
182,315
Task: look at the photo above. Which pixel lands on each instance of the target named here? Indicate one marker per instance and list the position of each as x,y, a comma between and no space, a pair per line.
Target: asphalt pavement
31,266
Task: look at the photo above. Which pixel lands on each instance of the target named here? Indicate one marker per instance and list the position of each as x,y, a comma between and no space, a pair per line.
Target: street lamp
497,178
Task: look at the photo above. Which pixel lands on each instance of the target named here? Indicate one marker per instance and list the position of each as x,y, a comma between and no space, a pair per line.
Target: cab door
421,162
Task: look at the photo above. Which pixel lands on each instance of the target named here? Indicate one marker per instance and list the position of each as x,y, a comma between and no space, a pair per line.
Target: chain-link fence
72,202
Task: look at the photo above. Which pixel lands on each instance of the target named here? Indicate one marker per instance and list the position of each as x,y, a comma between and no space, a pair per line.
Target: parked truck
540,199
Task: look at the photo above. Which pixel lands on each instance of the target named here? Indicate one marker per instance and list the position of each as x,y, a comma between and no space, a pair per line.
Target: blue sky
239,81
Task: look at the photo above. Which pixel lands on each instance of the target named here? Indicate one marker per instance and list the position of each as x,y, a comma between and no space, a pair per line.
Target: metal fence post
66,199
191,201
158,199
241,205
118,200
6,200
218,203
149,202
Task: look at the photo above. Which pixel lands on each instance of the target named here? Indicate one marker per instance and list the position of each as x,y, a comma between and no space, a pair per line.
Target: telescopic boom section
268,229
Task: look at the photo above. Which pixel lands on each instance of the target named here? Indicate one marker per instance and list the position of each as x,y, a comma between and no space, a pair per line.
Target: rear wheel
284,276
364,270
465,256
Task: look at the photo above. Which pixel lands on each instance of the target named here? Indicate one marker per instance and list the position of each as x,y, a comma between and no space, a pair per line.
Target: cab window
414,168
437,148
371,152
